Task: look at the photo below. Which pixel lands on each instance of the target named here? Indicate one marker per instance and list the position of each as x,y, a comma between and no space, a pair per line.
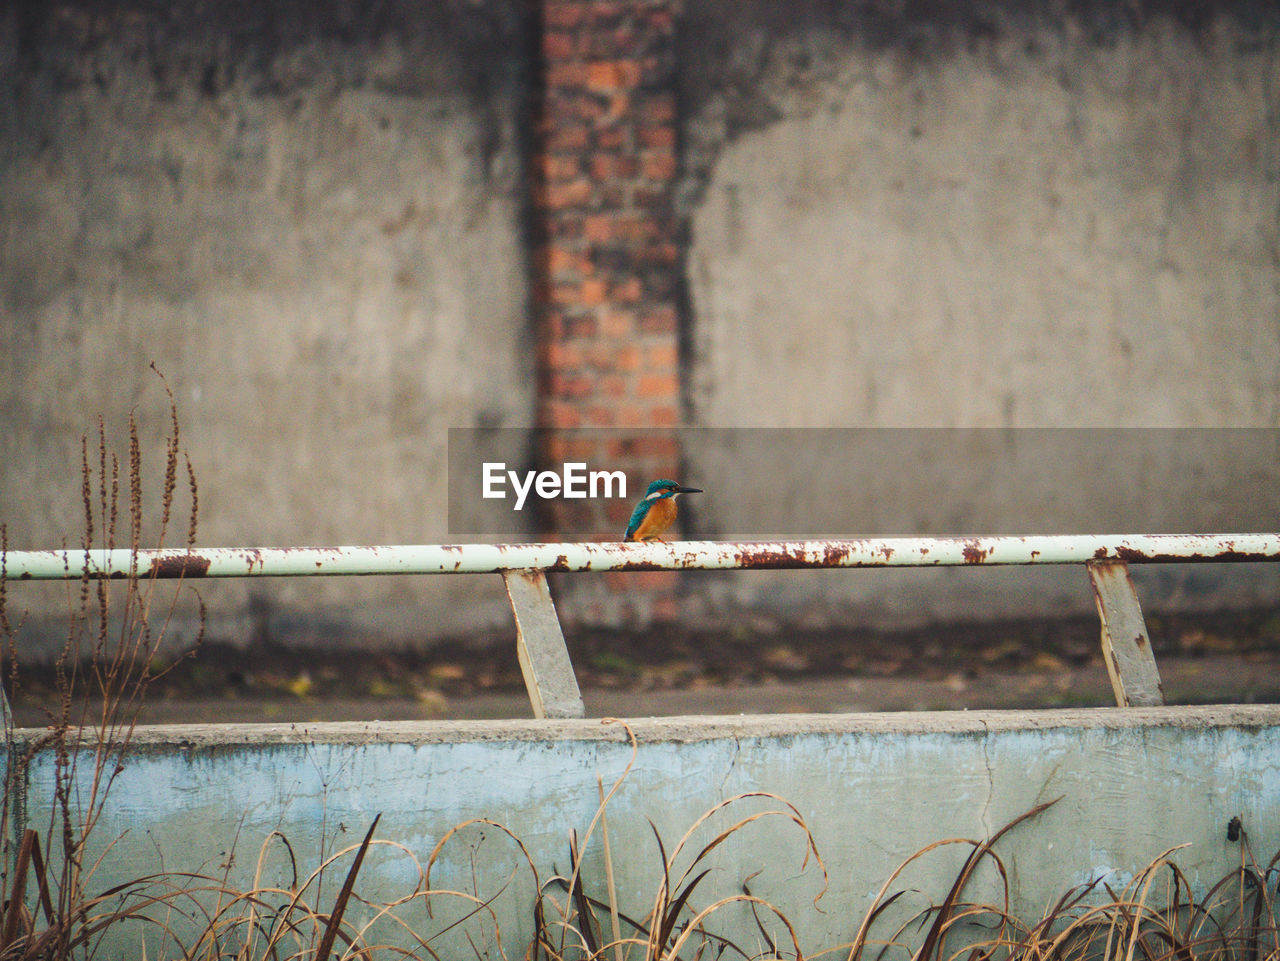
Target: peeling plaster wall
309,216
873,789
1018,215
996,215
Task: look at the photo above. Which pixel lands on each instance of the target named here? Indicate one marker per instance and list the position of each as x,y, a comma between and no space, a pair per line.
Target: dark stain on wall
741,53
279,47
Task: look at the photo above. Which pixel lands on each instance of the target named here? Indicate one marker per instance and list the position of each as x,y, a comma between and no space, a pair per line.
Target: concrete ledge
692,728
873,789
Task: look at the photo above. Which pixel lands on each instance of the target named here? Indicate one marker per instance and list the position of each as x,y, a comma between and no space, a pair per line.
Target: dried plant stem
615,927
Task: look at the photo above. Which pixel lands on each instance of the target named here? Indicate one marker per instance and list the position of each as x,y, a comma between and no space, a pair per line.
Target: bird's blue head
663,488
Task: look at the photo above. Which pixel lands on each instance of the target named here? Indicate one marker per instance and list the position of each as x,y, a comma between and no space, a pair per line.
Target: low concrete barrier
873,789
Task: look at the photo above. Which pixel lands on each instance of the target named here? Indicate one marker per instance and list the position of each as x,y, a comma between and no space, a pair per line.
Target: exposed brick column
606,257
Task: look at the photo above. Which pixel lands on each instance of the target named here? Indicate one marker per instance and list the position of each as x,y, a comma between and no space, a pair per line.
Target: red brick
592,109
662,357
613,138
567,386
593,292
603,75
564,226
564,356
561,415
581,325
620,39
558,45
656,71
627,358
658,110
613,75
562,447
557,166
617,324
653,197
559,260
575,193
658,385
661,254
552,446
647,446
655,136
582,448
658,164
637,227
658,320
567,137
599,228
629,415
617,109
600,415
566,74
613,385
660,19
611,194
602,355
606,11
628,291
563,295
610,166
665,416
566,14
550,324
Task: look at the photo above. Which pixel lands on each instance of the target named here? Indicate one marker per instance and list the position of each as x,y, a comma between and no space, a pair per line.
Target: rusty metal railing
544,658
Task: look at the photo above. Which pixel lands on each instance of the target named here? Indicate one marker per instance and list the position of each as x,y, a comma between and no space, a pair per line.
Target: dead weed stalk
111,655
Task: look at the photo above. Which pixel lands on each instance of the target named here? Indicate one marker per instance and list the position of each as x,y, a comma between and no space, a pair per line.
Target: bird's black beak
688,490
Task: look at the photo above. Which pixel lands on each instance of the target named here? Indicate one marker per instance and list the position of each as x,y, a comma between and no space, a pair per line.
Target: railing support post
544,658
1126,646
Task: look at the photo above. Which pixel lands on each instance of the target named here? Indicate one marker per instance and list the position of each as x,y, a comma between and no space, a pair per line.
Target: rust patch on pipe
835,556
186,565
1132,555
973,554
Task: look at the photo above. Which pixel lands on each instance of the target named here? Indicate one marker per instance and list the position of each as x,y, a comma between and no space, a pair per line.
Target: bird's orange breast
662,514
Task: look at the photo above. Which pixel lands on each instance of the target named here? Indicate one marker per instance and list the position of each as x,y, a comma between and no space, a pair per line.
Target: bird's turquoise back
642,509
637,518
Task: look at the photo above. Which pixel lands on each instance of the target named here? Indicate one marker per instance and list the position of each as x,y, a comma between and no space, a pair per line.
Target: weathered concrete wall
1012,215
1023,216
873,789
313,219
310,217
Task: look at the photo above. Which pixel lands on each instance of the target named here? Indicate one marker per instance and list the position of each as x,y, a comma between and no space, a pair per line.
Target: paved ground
1220,658
1187,681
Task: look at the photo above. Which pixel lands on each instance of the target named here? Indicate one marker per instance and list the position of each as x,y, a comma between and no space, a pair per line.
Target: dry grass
111,655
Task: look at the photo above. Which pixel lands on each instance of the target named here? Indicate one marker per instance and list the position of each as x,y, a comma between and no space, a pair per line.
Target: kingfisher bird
656,511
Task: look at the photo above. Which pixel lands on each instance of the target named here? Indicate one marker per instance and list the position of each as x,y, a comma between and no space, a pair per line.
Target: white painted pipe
678,555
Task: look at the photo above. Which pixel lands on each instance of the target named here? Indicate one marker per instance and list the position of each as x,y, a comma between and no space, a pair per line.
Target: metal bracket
1126,647
544,658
